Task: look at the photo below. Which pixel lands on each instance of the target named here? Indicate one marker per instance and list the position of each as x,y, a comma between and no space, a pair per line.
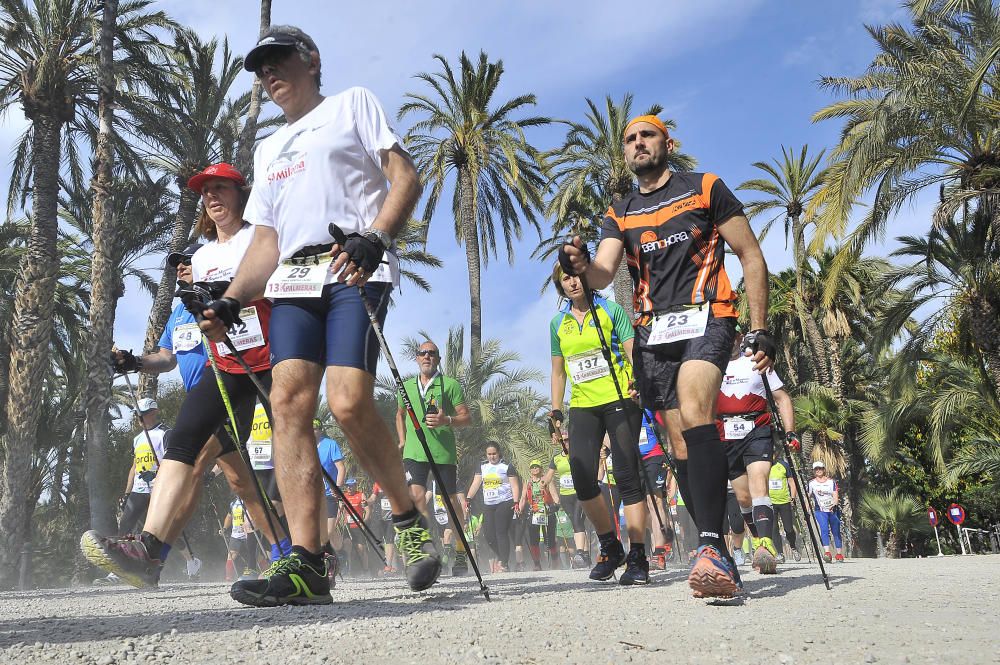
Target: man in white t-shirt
744,422
337,161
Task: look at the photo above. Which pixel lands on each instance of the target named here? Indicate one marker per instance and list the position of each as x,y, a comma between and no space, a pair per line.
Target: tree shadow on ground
154,615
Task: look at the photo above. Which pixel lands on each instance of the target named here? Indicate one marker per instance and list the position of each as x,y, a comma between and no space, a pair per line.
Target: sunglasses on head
427,352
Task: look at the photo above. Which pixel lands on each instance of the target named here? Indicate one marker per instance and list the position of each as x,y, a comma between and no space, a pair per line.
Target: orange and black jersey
672,243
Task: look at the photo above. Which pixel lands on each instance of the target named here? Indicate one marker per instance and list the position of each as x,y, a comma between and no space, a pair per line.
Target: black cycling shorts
269,482
657,367
757,446
419,473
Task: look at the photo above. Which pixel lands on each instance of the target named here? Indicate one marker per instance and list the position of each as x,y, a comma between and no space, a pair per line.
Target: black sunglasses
427,352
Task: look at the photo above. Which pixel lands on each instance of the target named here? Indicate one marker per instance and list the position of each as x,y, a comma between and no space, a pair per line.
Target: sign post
956,515
932,517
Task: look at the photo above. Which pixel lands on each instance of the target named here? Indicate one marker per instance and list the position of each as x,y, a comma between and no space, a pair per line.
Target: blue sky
739,78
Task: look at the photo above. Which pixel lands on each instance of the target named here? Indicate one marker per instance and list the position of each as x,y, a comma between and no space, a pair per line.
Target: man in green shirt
438,403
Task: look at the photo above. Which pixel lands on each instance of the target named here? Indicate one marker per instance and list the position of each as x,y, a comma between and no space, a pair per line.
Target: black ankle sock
640,548
748,519
607,539
307,556
707,467
763,518
406,519
684,486
153,545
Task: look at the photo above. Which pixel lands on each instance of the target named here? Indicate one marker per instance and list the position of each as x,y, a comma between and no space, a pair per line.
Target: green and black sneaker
290,581
420,557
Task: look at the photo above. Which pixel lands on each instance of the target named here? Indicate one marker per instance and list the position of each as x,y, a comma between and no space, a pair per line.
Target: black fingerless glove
127,363
759,340
226,309
365,251
564,258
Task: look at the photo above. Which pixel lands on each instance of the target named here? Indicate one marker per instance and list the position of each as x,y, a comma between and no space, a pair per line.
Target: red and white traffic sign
956,514
932,516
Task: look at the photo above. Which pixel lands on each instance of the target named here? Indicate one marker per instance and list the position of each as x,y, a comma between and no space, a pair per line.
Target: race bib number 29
687,323
299,280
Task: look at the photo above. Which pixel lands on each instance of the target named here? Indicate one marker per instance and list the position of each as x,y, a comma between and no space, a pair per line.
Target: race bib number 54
687,323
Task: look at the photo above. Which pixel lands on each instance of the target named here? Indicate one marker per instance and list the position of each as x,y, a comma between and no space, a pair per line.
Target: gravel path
909,611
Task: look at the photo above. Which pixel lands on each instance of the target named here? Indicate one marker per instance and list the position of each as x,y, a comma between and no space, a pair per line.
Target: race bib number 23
687,323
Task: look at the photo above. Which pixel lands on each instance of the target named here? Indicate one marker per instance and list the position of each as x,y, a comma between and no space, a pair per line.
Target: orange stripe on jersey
698,292
618,220
661,216
707,180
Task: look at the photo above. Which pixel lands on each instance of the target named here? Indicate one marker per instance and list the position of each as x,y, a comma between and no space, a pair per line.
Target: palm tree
923,114
248,135
47,66
789,188
499,175
181,130
137,224
892,513
589,173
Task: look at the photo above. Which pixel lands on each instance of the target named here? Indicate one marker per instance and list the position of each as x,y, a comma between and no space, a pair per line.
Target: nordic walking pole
265,400
338,237
152,448
606,352
233,432
798,478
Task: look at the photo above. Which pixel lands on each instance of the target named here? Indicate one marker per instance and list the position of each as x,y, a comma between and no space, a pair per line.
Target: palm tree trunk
160,312
892,545
105,284
624,289
244,156
836,370
471,240
815,349
30,337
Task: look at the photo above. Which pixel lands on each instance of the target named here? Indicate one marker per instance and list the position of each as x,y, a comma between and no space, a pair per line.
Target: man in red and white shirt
744,423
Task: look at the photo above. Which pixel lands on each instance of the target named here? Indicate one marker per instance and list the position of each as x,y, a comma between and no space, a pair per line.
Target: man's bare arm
739,236
160,361
600,271
784,403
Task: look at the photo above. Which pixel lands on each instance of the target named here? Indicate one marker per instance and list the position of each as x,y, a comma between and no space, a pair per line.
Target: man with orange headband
673,231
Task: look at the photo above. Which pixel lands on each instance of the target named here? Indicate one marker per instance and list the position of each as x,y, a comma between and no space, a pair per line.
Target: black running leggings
587,427
784,511
203,413
497,520
135,511
550,532
736,523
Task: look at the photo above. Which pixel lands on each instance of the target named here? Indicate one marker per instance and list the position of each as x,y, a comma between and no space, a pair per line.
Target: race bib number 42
687,323
246,335
299,280
587,366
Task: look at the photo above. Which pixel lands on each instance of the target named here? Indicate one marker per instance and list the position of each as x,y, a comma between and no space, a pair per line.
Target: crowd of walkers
653,408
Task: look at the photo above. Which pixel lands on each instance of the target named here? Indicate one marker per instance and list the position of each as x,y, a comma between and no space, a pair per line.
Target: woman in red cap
203,413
